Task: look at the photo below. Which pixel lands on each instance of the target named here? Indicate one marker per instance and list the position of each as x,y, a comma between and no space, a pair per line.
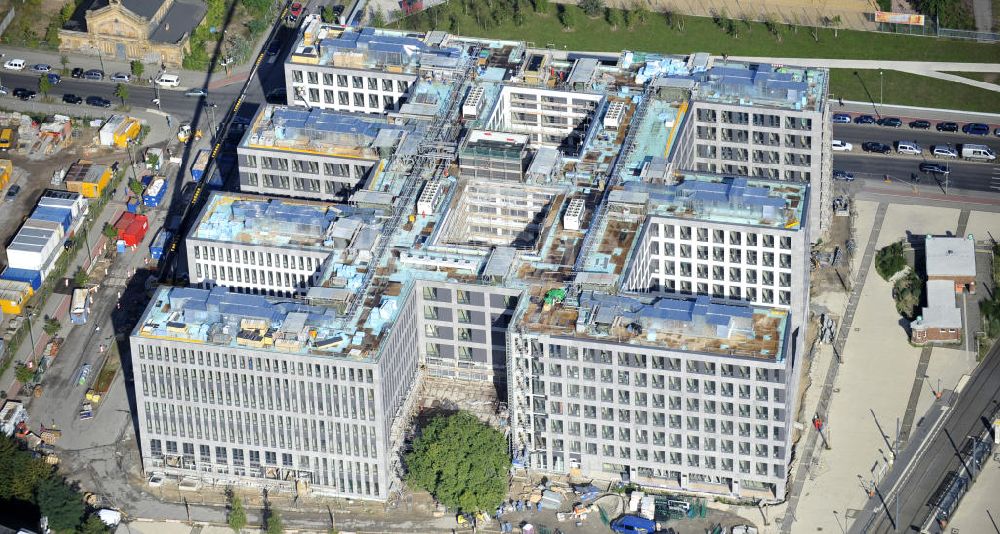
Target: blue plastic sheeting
34,278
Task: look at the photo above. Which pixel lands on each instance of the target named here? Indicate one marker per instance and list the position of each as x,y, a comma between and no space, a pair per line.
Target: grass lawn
912,90
990,77
697,35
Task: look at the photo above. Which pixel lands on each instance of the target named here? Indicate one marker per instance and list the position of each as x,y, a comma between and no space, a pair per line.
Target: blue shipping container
146,180
34,278
132,206
159,243
154,193
63,216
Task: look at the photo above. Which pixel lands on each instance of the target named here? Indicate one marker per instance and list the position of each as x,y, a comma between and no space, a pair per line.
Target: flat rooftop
950,256
371,48
220,318
718,198
323,132
300,224
689,324
760,84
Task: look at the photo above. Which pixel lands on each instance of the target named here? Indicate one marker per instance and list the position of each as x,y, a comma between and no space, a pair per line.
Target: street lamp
880,87
211,114
100,56
31,335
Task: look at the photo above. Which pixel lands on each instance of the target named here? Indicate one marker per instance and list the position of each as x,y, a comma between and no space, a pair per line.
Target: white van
908,147
14,64
978,152
168,80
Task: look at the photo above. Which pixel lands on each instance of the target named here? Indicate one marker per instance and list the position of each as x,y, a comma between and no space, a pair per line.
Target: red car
295,10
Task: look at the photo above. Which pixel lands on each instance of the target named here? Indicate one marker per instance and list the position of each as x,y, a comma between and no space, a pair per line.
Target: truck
80,309
978,152
160,242
199,165
153,195
184,133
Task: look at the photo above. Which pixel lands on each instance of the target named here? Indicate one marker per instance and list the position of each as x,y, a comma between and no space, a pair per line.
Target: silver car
943,151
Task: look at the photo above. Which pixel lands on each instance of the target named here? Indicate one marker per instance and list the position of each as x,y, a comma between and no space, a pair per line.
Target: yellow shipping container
88,178
6,171
13,296
126,131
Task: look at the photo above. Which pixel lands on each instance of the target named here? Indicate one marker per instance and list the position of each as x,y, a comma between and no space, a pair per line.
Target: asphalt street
917,477
963,176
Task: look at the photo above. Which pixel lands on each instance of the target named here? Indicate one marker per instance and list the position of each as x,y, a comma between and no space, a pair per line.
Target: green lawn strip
698,35
991,77
911,90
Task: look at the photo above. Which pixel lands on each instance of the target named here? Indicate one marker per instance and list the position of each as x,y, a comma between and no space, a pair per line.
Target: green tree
237,517
66,12
109,231
52,326
889,260
20,473
461,461
93,525
135,186
274,523
257,7
566,16
327,14
137,68
640,11
376,18
614,18
62,504
80,277
23,373
540,6
64,61
990,310
216,12
592,7
44,84
121,91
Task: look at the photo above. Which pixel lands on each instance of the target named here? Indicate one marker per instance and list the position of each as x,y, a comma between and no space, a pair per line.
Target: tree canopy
19,472
60,503
461,461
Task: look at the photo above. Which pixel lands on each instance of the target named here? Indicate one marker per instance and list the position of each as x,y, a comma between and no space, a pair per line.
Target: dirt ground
34,177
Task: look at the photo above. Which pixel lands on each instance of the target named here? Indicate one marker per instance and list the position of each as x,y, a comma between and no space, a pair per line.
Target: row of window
343,170
229,276
221,360
642,454
263,430
719,236
258,392
348,99
261,258
350,477
758,119
660,247
736,292
352,82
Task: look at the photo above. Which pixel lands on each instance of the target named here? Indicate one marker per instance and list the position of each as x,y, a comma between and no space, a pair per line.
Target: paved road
964,176
920,470
859,133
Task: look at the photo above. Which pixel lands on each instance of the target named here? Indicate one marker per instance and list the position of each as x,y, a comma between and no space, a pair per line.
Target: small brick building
951,269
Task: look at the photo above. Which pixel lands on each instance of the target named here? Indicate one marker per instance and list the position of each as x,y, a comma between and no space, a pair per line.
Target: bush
566,17
592,7
23,373
889,260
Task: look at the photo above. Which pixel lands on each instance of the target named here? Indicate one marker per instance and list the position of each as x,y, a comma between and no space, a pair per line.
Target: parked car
98,102
944,151
891,122
875,146
24,94
934,168
976,128
121,77
41,67
3,89
864,119
996,132
295,10
94,74
841,146
12,192
920,124
168,80
54,78
196,92
946,127
841,118
156,479
72,99
843,175
273,48
14,64
77,72
910,148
